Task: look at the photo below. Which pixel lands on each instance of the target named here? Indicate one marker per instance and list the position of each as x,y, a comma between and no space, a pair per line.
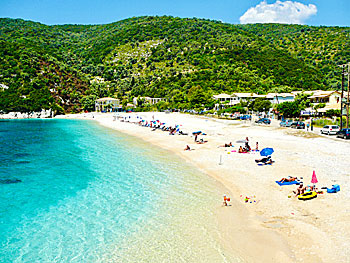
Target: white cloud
280,12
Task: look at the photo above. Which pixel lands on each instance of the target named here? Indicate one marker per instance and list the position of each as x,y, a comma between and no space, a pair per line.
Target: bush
323,122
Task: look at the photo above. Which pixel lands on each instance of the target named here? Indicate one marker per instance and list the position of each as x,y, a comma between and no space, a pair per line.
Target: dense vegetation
325,48
65,67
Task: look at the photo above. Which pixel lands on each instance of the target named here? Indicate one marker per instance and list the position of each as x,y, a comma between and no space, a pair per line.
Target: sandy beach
275,226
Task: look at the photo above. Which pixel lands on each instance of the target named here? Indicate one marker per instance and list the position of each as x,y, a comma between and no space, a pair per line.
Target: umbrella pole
220,163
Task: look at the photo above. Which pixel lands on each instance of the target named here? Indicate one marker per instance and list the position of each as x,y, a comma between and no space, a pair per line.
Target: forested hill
322,47
65,67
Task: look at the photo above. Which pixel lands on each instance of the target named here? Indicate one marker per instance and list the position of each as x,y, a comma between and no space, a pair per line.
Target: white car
330,129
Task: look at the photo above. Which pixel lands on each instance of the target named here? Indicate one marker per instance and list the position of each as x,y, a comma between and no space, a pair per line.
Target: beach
273,226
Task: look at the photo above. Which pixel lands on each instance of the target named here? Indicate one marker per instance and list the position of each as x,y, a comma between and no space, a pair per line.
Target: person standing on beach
226,199
307,126
195,137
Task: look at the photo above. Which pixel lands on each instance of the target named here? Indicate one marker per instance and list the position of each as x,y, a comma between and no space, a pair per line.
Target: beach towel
261,164
287,183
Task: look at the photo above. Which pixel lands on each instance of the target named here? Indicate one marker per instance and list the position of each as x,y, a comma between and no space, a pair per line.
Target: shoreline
260,232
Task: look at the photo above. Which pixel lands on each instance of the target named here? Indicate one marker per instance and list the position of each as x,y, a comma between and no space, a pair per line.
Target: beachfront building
107,104
148,100
247,96
330,98
226,99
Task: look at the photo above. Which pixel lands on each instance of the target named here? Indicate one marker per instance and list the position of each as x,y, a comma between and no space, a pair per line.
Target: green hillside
65,67
321,47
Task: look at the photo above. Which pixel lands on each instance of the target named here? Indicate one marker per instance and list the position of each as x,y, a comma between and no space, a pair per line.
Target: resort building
148,100
107,104
330,98
247,96
226,99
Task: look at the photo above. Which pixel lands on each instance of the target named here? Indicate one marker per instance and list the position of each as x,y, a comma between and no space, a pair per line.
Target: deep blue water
72,191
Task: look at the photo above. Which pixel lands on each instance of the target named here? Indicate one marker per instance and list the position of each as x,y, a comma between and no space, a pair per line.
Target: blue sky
310,12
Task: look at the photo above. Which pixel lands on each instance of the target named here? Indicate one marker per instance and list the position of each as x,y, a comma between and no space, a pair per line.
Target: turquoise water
72,191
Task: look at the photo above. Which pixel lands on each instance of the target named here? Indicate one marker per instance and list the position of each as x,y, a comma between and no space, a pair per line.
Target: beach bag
331,190
335,188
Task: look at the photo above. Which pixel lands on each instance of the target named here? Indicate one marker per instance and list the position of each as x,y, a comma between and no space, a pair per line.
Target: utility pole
341,97
347,102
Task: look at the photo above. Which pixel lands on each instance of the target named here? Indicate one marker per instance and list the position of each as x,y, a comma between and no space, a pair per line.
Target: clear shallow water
89,194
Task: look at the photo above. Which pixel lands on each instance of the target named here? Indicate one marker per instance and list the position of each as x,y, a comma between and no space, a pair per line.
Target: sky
309,12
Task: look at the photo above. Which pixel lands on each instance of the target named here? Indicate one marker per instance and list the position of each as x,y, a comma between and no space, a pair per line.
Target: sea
74,191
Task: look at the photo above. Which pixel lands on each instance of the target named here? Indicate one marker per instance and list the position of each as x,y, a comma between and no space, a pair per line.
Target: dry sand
275,228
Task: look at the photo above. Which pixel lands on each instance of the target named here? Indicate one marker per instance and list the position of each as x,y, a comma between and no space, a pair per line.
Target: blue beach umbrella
266,151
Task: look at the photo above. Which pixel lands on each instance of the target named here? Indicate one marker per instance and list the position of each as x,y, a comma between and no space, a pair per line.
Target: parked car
344,133
286,123
330,129
245,117
264,120
298,125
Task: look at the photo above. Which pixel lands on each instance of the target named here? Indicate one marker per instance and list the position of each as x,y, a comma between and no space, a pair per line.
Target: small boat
307,196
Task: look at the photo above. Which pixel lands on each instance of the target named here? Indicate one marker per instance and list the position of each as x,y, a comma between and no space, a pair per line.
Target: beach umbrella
197,132
314,178
266,151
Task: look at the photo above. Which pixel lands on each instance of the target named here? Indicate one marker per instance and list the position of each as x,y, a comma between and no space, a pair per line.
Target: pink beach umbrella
314,178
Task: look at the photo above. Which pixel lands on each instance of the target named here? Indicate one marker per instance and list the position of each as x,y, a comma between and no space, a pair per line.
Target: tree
331,113
140,102
199,98
289,109
124,103
260,105
88,102
319,106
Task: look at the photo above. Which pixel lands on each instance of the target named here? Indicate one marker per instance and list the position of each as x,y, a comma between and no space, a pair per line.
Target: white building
226,99
148,100
107,104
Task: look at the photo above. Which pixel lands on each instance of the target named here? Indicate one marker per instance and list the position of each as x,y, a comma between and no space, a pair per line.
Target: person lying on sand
187,148
226,145
263,160
290,179
201,141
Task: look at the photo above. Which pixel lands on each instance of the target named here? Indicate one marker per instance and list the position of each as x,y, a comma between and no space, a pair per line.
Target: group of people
247,147
157,125
301,189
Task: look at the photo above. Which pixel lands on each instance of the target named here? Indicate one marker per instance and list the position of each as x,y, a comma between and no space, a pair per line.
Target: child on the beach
226,199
